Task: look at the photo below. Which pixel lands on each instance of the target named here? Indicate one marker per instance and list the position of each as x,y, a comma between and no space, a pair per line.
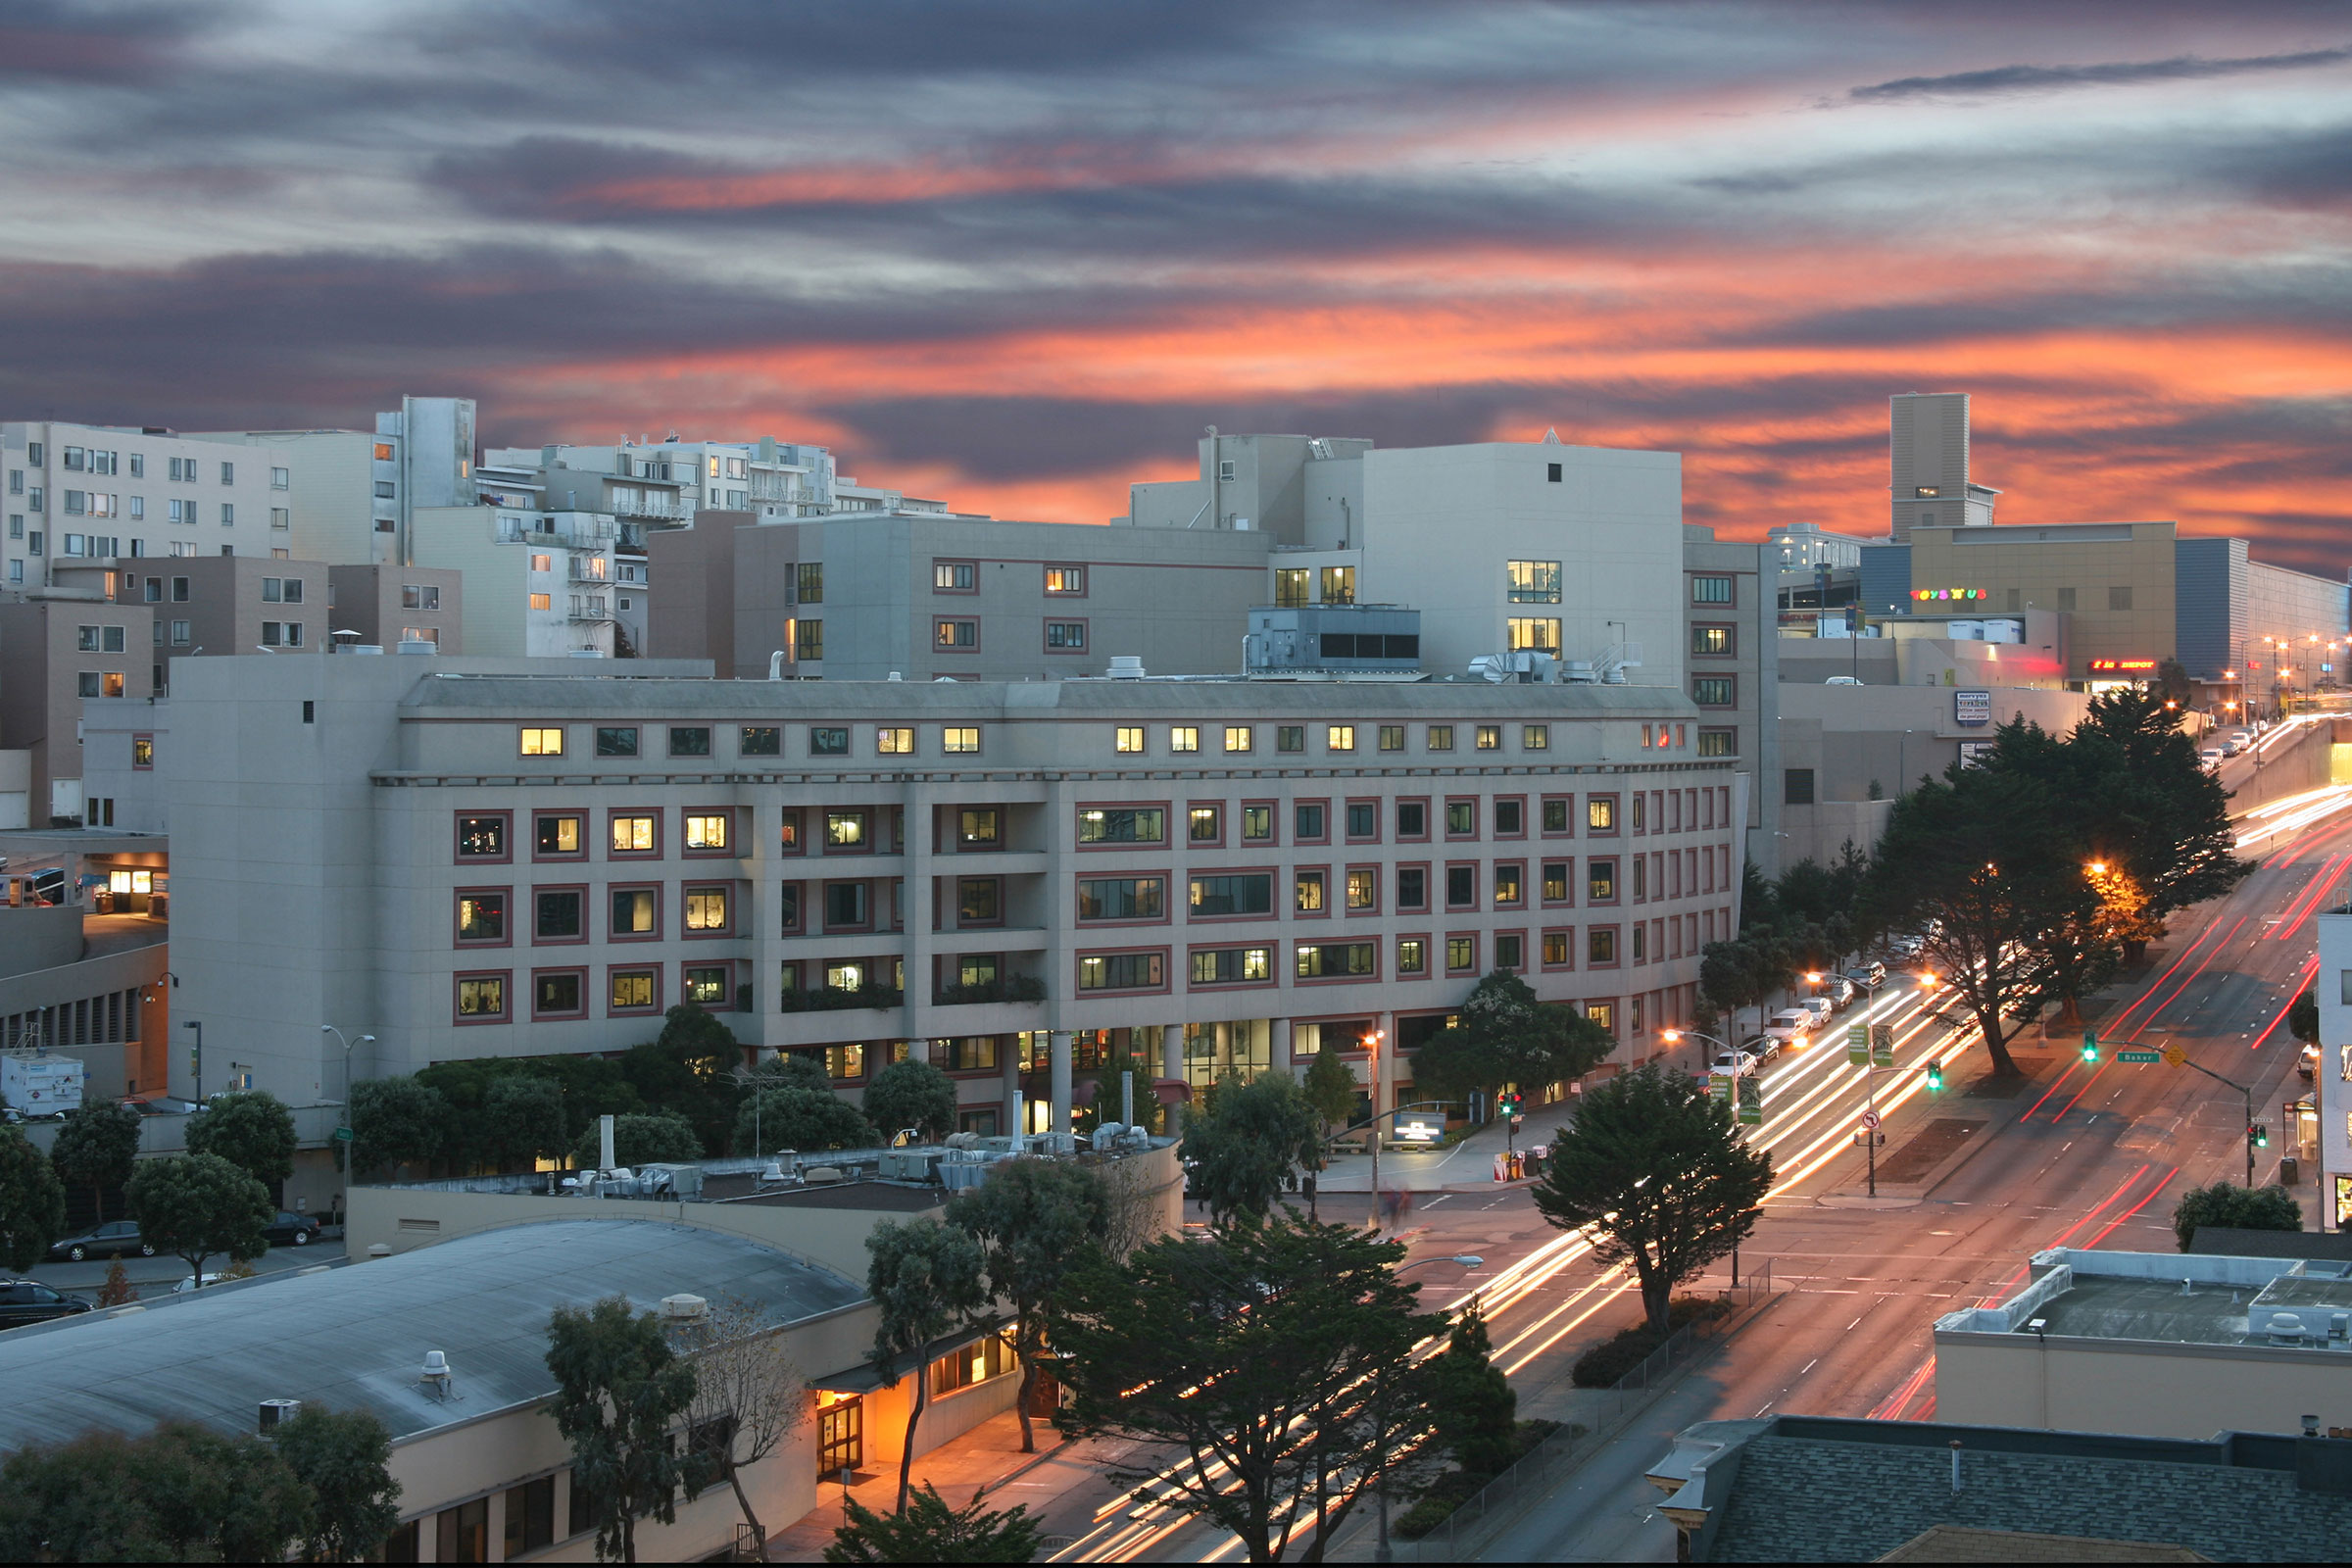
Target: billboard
1972,707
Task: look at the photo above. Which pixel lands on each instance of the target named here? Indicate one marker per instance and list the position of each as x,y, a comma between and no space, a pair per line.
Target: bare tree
1139,1208
749,1398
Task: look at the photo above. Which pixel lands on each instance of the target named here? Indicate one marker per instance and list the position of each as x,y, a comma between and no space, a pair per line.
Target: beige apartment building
475,858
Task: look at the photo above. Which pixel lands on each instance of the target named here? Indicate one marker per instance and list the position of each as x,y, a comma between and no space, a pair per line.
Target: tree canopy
181,1493
1036,1221
1503,1034
96,1145
251,1129
397,1121
194,1206
927,1529
620,1390
926,1278
789,1114
2231,1206
343,1457
1274,1359
911,1094
663,1137
1654,1171
32,1202
1246,1144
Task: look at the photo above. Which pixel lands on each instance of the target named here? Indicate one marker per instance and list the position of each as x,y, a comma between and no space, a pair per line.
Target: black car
23,1301
291,1230
106,1240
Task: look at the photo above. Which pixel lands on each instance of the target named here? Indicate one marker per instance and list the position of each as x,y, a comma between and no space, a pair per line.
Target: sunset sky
1016,255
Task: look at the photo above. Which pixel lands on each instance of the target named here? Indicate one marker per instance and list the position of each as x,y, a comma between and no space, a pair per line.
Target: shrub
1610,1360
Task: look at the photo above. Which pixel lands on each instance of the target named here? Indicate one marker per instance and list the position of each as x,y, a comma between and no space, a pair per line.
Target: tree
620,1390
1475,1410
522,1120
1654,1172
791,1116
1036,1220
802,1068
1504,1036
96,1145
179,1494
344,1458
1106,1105
663,1137
1330,1089
193,1205
925,1278
688,1069
2303,1017
911,1094
1244,1148
929,1531
2229,1206
253,1130
748,1399
1275,1358
1986,864
398,1121
2164,817
32,1202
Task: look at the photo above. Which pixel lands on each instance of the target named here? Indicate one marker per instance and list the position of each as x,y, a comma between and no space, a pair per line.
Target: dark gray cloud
2004,79
98,42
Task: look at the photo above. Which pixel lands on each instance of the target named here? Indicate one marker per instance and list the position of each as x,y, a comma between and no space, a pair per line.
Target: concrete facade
1576,848
1928,449
2114,580
1736,638
2333,1077
2153,1345
53,654
383,606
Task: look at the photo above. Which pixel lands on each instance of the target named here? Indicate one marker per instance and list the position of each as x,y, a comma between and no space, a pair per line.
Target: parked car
2231,745
189,1284
1820,1007
111,1239
2211,755
1733,1062
291,1229
23,1301
1790,1026
2309,1062
1840,991
1907,944
1872,974
2243,737
1841,680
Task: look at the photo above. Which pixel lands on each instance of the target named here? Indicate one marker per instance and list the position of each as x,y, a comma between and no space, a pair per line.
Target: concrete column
1171,1065
1279,1054
1009,1065
1059,1042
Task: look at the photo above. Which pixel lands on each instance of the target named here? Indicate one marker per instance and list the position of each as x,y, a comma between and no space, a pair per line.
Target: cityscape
626,642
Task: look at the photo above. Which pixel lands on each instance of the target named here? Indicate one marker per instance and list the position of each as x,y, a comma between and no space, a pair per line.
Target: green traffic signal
2091,1047
2260,1134
1934,1076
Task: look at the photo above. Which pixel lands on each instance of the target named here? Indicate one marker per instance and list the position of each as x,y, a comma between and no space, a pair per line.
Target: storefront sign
1972,707
2122,667
1974,752
1927,595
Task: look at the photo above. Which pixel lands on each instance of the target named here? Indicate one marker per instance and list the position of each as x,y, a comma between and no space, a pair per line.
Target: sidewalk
1062,1484
1468,1166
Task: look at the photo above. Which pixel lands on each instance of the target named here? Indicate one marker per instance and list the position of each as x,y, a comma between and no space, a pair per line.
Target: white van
1789,1026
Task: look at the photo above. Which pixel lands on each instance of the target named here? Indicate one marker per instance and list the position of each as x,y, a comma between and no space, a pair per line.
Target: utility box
1336,639
41,1084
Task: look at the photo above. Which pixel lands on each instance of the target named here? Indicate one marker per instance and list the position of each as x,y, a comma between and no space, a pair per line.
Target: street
154,1276
2067,1155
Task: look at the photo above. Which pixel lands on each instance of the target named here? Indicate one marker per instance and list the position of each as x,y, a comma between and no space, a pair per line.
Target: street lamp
351,1155
1382,1553
1372,1044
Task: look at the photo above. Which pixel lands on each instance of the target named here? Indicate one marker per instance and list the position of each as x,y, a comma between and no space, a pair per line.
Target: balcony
1009,988
591,607
837,998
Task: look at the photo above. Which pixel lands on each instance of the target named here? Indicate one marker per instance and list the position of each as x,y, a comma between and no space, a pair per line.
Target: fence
1543,1465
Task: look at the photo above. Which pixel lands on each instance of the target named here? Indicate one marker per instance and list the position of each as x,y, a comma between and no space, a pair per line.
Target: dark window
976,900
1412,888
1461,818
1232,965
1551,473
1510,817
1796,786
1715,691
1555,881
845,904
1600,945
762,740
812,582
530,1516
1412,820
828,742
1290,737
1121,898
689,740
1600,880
559,914
1319,959
1555,816
617,741
1233,895
788,907
1718,743
1461,886
633,912
1308,822
1509,883
555,993
1508,951
1363,819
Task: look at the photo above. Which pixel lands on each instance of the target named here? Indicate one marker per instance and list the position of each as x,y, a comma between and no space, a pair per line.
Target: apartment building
54,653
487,857
355,493
1732,642
81,496
385,606
665,483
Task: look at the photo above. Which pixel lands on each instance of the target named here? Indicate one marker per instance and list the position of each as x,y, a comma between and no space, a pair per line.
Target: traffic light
1506,1104
1934,1076
2260,1134
2091,1047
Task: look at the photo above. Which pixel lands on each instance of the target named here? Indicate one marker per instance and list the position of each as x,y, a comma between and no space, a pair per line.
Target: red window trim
1568,832
1567,931
1494,902
1166,965
1296,838
587,823
505,993
734,846
1222,811
1374,978
1427,805
456,837
734,895
1293,912
1451,938
655,888
1498,833
1353,801
578,1014
1167,893
1086,635
1378,903
613,970
613,813
458,896
1159,845
1476,899
1273,964
581,888
1429,966
1425,867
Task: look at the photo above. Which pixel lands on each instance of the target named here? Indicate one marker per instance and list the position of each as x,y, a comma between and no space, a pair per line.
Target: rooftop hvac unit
276,1412
1126,667
683,1309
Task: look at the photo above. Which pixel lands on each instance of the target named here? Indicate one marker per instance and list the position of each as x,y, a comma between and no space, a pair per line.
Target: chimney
1955,1465
603,1143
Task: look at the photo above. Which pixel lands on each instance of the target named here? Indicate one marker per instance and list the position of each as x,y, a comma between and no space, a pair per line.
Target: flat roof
2176,1298
356,1337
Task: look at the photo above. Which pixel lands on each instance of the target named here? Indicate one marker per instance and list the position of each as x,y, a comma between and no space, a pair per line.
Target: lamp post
351,1155
1382,1553
1372,1041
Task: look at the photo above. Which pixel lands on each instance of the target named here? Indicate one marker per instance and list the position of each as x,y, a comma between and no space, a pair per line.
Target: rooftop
2271,1302
1810,1489
356,1337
